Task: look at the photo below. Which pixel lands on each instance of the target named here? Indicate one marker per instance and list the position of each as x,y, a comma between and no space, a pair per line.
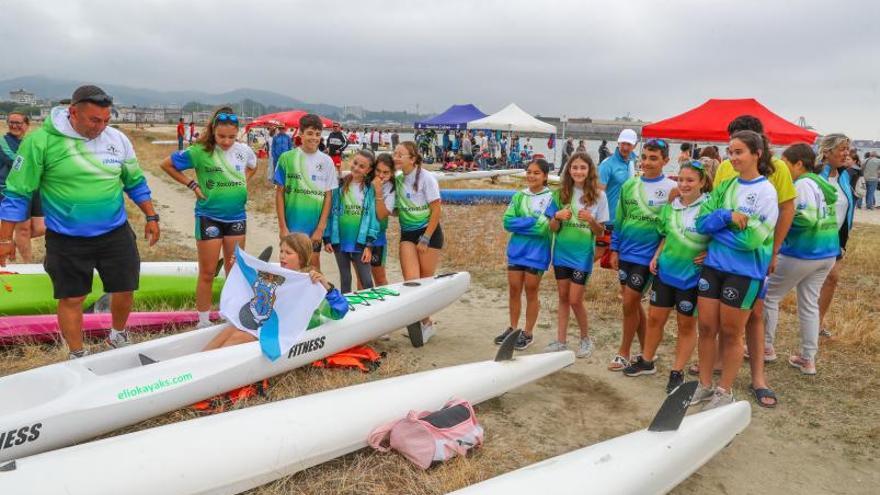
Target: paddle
673,409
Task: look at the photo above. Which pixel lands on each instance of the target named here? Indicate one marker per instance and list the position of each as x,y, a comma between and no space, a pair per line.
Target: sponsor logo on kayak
306,346
133,392
19,436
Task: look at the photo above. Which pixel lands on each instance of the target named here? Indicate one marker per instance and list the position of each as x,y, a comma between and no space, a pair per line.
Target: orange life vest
361,357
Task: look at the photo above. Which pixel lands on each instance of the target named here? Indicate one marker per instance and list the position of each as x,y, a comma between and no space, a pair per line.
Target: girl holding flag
295,254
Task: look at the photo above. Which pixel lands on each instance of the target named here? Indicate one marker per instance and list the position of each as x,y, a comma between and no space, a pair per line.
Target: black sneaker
523,341
640,367
676,378
499,339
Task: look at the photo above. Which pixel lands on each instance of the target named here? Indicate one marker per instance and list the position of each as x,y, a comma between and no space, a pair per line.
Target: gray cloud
651,58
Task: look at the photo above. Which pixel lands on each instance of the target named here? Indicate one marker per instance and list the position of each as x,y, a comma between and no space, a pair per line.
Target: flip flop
764,393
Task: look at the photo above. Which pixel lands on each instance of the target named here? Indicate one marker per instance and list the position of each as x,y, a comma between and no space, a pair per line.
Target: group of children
714,254
347,218
709,253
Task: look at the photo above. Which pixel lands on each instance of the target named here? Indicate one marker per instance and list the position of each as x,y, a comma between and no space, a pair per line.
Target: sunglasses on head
657,143
698,166
226,117
101,100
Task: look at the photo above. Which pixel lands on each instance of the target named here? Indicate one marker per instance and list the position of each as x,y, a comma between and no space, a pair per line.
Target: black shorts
71,262
412,236
527,269
377,255
36,205
666,296
843,235
736,291
208,229
604,240
566,273
633,275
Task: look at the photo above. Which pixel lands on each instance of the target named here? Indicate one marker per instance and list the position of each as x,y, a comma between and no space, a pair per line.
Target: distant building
23,97
353,112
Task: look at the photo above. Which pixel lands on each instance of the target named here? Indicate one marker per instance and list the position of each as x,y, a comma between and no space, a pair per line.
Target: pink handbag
428,438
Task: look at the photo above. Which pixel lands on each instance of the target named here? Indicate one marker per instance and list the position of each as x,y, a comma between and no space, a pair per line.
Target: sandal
694,370
764,393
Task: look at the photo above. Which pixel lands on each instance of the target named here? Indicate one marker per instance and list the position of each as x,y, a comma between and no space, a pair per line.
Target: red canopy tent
708,123
289,118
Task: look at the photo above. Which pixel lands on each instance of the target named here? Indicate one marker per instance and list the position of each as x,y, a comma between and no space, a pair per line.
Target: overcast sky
651,58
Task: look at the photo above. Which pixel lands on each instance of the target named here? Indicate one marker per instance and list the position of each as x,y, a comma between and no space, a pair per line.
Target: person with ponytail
676,268
352,226
833,150
781,180
581,212
807,255
739,216
421,238
527,218
222,167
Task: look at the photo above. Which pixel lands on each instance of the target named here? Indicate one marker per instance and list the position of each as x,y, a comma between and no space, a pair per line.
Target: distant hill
56,89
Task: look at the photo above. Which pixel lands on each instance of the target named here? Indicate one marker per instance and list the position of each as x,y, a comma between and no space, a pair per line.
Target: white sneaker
204,324
702,394
117,339
83,353
427,332
556,346
585,348
719,398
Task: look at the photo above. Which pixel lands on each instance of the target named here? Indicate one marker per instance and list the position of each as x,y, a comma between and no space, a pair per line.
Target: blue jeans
871,186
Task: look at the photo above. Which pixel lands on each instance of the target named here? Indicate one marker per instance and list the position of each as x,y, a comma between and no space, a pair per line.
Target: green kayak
30,294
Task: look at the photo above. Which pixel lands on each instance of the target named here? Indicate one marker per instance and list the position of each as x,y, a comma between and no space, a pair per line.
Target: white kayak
239,450
183,268
644,462
476,174
63,403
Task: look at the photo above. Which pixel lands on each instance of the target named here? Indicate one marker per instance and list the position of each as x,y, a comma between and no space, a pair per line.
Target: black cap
91,94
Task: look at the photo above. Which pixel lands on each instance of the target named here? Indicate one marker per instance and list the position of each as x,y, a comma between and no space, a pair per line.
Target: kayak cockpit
25,390
159,350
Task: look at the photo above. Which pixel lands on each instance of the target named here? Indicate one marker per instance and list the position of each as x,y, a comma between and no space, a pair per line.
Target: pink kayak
44,328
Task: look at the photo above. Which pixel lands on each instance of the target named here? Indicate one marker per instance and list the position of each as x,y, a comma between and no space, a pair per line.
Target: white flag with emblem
273,302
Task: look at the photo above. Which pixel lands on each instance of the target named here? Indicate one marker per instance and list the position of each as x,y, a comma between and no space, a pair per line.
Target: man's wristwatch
153,218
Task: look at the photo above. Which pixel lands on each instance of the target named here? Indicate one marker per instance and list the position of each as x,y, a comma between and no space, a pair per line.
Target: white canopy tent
512,119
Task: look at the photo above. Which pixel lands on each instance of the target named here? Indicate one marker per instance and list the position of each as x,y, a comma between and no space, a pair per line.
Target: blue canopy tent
455,117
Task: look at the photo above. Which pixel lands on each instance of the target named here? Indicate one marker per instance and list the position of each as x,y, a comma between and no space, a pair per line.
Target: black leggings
364,272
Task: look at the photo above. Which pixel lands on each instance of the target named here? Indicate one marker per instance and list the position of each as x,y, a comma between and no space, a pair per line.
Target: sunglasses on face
658,143
226,118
